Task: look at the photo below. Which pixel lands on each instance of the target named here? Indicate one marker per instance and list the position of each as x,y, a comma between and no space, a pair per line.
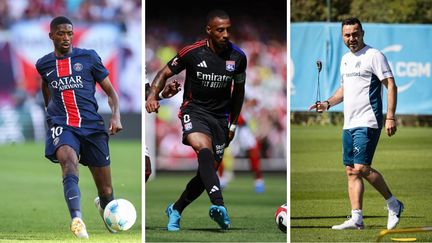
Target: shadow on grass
333,217
153,228
345,217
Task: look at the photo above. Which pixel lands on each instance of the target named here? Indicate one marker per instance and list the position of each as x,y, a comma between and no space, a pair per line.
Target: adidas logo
202,64
215,188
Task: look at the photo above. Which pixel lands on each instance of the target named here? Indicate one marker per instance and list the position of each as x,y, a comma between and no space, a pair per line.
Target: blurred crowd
264,109
21,108
83,10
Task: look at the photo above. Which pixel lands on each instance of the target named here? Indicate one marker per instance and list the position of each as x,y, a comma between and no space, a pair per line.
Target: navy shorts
91,146
359,145
199,121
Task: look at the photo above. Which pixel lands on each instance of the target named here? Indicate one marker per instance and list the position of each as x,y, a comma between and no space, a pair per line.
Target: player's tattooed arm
169,91
152,104
113,101
45,93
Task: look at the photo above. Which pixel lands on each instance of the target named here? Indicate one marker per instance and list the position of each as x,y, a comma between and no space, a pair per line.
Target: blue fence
407,48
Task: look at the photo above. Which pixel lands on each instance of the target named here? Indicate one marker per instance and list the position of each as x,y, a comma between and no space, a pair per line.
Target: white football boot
78,228
394,215
349,224
101,212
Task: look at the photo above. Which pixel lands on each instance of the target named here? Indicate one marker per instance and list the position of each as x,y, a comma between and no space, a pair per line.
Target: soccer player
169,91
363,72
213,96
76,132
245,144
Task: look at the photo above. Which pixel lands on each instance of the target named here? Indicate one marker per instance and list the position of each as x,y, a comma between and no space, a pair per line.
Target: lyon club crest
230,66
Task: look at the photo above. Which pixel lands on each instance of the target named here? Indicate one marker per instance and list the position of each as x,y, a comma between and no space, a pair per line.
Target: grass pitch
319,197
31,191
252,215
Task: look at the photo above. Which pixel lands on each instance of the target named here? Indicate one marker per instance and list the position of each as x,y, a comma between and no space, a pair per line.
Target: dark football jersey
72,84
209,76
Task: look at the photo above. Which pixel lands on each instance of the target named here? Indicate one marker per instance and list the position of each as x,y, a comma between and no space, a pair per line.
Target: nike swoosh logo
50,72
107,158
73,197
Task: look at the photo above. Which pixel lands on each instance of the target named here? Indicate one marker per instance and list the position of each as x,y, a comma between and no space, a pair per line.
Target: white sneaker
349,224
78,228
101,212
394,216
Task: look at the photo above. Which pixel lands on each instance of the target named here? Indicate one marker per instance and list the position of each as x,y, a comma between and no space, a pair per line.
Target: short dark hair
58,21
352,21
217,13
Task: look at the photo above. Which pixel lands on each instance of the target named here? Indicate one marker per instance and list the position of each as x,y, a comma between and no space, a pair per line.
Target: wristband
161,96
393,119
328,104
233,127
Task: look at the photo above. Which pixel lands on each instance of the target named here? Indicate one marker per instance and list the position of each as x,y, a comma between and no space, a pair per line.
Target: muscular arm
237,102
169,91
46,94
152,105
113,101
390,123
147,90
332,101
236,105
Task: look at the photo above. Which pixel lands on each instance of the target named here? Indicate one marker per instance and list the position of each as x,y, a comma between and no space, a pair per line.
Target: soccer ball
281,217
120,214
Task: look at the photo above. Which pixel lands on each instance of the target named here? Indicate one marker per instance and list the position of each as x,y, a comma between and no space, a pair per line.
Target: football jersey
361,76
209,76
72,84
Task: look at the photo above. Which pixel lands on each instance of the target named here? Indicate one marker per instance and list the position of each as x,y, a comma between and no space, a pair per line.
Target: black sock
193,190
209,176
105,199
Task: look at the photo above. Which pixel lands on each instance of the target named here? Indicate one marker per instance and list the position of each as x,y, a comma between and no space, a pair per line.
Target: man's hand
319,106
152,105
171,89
115,125
390,126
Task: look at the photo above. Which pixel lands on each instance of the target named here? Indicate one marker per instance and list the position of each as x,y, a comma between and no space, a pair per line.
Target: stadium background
171,27
33,206
111,27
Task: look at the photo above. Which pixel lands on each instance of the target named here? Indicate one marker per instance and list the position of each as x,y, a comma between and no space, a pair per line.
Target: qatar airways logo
214,80
66,83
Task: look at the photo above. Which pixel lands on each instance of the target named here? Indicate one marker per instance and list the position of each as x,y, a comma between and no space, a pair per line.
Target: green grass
252,215
319,197
31,191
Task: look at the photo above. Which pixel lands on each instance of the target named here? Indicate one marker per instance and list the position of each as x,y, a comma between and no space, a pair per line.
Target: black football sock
193,190
72,195
105,199
209,176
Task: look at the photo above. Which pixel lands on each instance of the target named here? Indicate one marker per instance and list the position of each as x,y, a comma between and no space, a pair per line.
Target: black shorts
199,121
91,146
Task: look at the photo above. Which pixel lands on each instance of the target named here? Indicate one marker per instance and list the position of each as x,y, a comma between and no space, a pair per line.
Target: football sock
193,190
209,176
72,195
104,200
254,158
392,203
357,215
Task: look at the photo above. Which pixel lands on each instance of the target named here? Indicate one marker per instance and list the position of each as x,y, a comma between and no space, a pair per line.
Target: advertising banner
406,47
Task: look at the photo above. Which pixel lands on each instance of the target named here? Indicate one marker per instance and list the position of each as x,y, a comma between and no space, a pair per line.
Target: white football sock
392,203
357,215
